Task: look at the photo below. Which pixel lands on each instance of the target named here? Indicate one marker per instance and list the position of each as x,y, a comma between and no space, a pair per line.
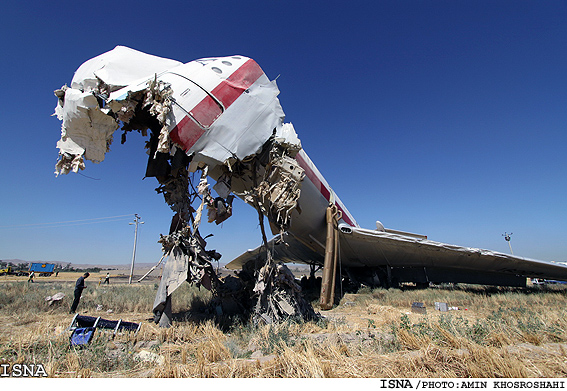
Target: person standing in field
79,286
107,279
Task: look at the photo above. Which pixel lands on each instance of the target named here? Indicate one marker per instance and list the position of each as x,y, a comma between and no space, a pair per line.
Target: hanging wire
95,220
89,177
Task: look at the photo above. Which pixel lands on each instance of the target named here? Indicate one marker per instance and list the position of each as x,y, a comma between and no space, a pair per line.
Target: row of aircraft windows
227,63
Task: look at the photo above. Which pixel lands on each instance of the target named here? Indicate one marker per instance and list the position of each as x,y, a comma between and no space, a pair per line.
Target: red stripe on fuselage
187,132
325,192
230,89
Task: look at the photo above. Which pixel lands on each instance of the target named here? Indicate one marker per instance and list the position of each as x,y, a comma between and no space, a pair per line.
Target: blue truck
42,269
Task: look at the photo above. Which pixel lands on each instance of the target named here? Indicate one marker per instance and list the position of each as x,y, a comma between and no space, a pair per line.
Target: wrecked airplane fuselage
220,117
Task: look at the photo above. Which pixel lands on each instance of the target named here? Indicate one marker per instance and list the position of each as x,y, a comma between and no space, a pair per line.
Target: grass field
495,332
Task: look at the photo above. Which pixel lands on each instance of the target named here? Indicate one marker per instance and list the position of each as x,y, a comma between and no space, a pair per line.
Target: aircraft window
236,58
227,63
217,70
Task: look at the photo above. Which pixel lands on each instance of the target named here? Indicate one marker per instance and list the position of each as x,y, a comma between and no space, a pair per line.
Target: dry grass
495,333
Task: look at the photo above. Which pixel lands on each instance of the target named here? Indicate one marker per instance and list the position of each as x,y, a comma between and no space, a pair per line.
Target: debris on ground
83,321
56,298
279,296
81,336
147,356
418,308
440,306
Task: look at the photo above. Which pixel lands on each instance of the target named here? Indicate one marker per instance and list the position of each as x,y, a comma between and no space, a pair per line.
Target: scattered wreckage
84,327
220,119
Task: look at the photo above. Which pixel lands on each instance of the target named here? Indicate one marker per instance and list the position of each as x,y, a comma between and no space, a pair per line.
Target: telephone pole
508,238
136,222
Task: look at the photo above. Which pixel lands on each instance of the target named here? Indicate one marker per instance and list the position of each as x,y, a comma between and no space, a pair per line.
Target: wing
412,258
368,248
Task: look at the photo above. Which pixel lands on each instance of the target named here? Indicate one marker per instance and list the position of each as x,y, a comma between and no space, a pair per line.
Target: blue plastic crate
82,336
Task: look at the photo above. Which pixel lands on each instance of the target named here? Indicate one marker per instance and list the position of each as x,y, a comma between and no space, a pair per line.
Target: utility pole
508,238
136,222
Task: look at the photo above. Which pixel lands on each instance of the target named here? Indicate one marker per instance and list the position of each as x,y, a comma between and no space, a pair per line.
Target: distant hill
125,266
15,261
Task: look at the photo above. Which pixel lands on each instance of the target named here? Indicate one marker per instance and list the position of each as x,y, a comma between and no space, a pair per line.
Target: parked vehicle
42,269
8,271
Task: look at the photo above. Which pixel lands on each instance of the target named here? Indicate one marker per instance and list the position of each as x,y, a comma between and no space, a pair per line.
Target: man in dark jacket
79,286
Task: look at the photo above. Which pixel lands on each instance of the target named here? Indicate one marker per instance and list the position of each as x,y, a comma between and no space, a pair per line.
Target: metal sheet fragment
187,261
87,124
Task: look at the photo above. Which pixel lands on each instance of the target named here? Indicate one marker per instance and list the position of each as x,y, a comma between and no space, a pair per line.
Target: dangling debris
281,188
187,260
274,296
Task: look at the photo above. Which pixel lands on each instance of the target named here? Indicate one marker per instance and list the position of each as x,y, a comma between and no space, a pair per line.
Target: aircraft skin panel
315,177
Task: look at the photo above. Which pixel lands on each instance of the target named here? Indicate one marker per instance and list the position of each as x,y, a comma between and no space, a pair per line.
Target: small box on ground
440,306
418,308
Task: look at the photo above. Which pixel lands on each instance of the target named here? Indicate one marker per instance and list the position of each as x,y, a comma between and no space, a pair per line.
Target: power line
71,222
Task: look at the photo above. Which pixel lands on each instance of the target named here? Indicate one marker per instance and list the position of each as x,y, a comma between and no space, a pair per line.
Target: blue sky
445,118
